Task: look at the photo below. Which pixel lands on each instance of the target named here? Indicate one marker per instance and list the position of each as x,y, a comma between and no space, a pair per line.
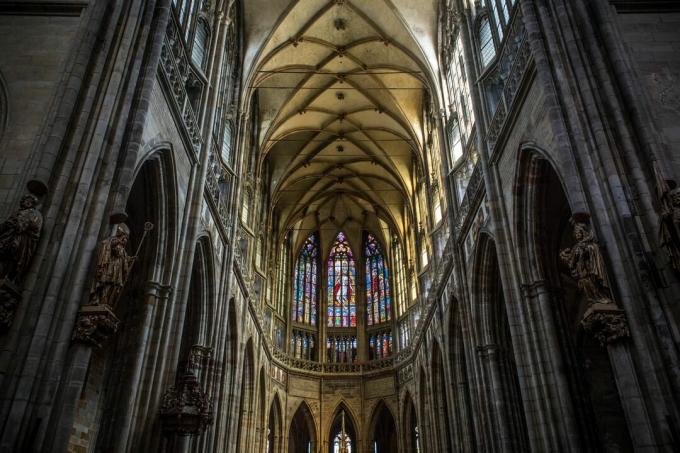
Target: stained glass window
305,283
380,345
303,345
400,278
342,309
378,297
341,349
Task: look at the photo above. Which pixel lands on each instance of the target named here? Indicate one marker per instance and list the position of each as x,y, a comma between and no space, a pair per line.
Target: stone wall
32,66
653,43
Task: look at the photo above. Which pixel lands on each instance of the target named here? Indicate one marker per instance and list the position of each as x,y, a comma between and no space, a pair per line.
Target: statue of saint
19,237
669,226
113,268
587,265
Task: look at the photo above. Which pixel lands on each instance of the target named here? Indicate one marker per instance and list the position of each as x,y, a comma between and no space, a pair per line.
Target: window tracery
305,284
342,310
378,295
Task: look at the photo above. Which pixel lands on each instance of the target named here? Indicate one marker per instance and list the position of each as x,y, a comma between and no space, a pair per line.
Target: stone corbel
606,323
94,325
186,410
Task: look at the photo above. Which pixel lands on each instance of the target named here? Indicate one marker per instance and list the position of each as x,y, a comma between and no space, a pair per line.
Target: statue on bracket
96,320
19,236
113,267
669,217
586,262
603,319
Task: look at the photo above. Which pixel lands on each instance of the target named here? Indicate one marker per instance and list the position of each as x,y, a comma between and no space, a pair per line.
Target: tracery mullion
381,283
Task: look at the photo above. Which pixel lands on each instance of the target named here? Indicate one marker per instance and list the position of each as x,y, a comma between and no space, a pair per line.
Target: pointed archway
412,439
247,395
342,431
302,432
441,413
383,430
543,214
504,408
274,443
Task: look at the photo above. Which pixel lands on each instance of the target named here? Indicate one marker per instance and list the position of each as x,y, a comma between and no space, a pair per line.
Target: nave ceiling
340,88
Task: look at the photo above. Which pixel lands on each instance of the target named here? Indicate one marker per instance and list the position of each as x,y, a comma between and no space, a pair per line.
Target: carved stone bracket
186,410
10,296
94,325
606,322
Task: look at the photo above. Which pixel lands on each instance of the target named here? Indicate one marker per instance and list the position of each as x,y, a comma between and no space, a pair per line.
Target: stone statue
586,263
113,266
669,225
19,237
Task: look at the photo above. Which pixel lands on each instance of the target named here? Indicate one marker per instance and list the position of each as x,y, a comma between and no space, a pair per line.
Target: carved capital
10,296
607,323
94,325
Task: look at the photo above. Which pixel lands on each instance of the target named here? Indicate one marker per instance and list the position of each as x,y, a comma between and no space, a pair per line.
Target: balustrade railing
186,85
512,66
475,184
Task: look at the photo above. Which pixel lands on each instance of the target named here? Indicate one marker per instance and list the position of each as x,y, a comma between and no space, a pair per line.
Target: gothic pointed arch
343,431
197,326
441,409
463,418
383,434
411,431
543,213
122,364
262,422
247,417
302,437
506,417
274,429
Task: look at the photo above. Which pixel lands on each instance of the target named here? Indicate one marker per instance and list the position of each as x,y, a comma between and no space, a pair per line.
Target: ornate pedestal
186,410
10,296
606,322
95,324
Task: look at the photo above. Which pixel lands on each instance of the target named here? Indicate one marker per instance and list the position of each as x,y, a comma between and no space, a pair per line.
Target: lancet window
304,308
378,296
342,309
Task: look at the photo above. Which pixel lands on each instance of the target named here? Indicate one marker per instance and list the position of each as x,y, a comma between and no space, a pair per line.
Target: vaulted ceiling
340,87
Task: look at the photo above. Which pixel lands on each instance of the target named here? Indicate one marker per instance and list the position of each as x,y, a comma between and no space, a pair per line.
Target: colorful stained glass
305,283
341,285
380,345
378,298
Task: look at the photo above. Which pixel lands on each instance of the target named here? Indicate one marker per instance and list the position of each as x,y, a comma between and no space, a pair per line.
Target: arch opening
302,433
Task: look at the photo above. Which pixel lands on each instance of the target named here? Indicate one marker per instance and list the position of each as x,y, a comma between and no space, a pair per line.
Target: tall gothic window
201,39
342,309
486,43
401,297
378,296
456,145
305,283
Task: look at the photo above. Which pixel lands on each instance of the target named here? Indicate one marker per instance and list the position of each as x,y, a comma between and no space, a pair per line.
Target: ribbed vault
340,88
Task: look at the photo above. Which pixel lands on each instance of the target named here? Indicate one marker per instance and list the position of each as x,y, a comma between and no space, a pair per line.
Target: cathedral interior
339,226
